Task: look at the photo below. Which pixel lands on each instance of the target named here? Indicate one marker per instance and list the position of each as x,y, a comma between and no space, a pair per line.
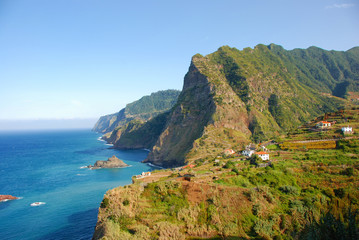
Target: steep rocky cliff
142,110
232,97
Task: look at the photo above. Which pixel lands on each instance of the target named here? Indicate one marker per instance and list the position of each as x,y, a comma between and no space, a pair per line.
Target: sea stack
112,162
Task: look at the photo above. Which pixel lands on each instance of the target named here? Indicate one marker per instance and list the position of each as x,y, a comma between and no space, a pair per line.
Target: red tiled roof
261,153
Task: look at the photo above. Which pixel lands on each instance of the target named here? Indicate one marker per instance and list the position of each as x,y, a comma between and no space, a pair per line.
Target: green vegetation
305,194
285,85
138,135
156,102
143,109
232,97
309,190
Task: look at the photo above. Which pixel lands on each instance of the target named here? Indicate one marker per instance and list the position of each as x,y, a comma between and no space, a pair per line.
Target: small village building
248,152
323,124
263,155
229,152
188,166
144,174
347,130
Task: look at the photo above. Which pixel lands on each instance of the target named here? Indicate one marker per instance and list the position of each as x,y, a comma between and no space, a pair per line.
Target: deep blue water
46,167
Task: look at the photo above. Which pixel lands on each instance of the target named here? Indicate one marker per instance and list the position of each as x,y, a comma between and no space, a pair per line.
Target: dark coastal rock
4,198
112,162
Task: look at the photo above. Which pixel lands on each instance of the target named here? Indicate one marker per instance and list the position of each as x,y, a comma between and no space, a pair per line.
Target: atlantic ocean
47,166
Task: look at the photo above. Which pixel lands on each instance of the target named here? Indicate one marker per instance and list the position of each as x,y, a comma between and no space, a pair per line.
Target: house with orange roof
263,155
323,124
229,152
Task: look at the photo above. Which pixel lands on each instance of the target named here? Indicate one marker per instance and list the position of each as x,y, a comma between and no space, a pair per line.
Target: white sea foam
83,167
152,165
109,144
35,204
80,174
100,139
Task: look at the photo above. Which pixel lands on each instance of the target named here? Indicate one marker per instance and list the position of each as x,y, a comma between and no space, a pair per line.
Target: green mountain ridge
232,97
141,110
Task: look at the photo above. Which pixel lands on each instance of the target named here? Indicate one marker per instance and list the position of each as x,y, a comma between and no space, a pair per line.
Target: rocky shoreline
112,162
4,198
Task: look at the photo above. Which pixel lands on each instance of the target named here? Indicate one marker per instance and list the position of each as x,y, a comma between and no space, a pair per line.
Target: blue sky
69,59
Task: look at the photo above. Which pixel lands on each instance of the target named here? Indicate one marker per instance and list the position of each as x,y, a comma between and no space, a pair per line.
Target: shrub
229,164
126,202
235,170
169,230
289,190
254,159
348,171
264,228
339,192
105,203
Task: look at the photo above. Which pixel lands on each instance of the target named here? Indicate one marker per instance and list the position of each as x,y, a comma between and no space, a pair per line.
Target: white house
323,124
263,155
248,152
347,130
145,174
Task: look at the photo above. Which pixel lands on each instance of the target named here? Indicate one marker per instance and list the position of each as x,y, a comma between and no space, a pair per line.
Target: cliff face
109,122
232,97
197,120
141,110
139,134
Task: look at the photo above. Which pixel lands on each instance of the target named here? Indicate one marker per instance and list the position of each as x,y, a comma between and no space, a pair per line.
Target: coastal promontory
4,198
112,162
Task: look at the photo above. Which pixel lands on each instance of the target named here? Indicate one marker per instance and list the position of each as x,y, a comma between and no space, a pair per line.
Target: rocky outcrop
4,198
198,121
112,162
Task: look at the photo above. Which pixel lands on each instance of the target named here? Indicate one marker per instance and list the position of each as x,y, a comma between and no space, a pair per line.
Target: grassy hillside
270,80
303,194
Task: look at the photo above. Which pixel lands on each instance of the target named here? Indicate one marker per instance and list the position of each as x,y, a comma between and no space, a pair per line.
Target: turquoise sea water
46,167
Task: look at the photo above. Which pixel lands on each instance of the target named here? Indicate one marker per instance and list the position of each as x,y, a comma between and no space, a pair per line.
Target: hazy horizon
46,124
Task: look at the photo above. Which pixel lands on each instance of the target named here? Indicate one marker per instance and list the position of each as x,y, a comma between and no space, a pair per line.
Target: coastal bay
47,167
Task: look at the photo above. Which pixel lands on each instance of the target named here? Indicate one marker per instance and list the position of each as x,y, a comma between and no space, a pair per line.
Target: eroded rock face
4,198
112,162
193,111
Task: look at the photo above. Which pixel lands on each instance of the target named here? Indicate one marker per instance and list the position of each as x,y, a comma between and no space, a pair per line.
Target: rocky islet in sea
112,162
